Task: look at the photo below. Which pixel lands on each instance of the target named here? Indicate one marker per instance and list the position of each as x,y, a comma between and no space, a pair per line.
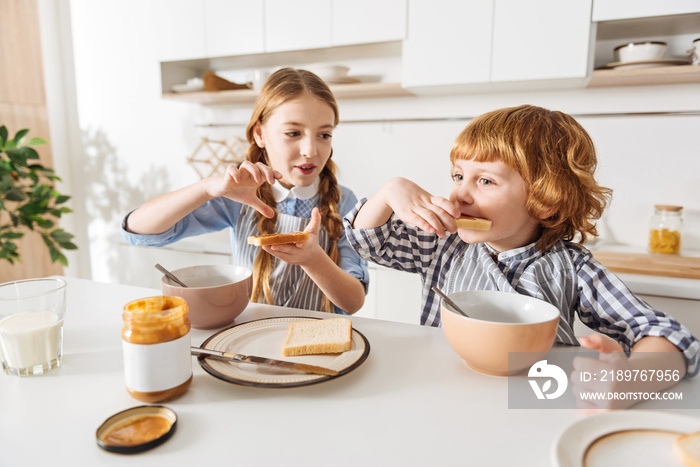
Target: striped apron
290,285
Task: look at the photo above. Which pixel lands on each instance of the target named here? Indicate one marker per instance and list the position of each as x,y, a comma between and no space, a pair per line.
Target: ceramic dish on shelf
264,338
187,87
626,437
647,63
345,80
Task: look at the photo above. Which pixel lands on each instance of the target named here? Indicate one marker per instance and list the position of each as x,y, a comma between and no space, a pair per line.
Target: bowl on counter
215,294
639,51
499,323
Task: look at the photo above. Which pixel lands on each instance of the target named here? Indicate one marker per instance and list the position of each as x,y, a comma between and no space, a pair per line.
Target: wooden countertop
650,264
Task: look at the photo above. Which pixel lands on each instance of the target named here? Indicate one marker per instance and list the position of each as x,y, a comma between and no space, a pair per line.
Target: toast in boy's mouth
278,238
473,223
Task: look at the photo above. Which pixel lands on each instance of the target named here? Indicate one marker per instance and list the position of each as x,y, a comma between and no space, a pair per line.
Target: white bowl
500,323
327,71
639,51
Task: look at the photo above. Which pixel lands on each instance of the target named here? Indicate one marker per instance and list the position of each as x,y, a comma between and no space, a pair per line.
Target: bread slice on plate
473,223
278,238
318,336
686,448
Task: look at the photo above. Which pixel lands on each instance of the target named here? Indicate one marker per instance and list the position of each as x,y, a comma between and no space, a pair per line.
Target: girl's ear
257,134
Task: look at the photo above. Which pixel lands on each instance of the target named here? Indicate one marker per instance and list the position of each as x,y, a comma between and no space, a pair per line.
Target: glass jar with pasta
665,229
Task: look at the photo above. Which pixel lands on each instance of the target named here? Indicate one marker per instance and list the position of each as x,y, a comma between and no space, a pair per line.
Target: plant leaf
3,136
14,194
19,135
37,141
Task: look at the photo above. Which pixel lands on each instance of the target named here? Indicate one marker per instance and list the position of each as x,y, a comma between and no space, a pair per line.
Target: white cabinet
393,296
608,10
496,41
448,43
298,24
314,24
233,27
366,21
180,29
541,39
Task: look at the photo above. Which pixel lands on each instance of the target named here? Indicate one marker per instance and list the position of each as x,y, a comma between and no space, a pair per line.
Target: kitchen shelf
645,76
340,91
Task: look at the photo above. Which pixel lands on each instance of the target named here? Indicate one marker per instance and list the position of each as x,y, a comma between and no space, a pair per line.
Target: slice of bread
473,223
318,336
686,448
278,238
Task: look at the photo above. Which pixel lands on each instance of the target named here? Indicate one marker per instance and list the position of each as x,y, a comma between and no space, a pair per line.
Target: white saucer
648,63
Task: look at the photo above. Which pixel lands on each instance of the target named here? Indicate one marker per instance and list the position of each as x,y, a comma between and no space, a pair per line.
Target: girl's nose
308,148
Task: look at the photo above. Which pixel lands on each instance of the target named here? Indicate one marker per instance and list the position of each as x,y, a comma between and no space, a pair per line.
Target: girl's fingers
315,223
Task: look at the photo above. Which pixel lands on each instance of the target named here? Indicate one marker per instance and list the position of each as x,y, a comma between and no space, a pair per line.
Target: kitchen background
119,136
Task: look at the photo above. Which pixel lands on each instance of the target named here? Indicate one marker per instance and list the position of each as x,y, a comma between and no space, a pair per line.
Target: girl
287,183
530,171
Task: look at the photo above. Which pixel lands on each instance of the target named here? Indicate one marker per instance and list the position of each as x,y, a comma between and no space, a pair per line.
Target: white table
413,402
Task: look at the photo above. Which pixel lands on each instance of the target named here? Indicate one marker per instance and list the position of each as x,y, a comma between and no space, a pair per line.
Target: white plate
187,87
648,63
264,338
632,441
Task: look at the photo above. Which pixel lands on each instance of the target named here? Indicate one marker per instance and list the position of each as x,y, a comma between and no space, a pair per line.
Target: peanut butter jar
156,344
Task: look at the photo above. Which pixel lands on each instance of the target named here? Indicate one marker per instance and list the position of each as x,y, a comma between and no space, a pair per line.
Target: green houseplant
28,199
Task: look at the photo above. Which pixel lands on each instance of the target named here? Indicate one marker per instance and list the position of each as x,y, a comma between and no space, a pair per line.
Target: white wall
133,144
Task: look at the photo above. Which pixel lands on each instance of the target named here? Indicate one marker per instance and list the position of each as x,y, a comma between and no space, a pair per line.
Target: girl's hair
556,158
282,86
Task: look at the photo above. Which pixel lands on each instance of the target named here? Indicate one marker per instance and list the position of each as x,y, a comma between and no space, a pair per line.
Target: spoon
449,301
170,275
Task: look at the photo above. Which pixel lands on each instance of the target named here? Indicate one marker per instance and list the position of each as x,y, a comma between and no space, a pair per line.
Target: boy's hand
413,205
300,253
240,184
611,358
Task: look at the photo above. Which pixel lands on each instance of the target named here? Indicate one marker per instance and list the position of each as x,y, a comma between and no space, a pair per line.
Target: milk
31,339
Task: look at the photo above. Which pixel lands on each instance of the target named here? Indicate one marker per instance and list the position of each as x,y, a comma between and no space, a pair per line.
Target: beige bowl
215,295
498,323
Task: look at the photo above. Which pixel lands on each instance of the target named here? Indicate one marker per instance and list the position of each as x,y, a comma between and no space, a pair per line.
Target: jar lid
136,429
666,207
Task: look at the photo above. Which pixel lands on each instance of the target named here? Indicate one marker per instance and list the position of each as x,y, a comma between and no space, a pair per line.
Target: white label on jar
157,367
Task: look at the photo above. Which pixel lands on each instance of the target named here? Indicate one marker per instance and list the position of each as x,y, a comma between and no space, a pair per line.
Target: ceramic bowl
215,295
639,51
499,323
328,71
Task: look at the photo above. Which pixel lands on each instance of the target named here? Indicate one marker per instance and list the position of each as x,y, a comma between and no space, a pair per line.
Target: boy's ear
547,213
257,134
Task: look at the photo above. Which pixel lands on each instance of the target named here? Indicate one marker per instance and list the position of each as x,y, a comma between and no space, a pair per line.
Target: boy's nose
462,195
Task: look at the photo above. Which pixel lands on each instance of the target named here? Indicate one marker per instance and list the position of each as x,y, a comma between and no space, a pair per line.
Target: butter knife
236,357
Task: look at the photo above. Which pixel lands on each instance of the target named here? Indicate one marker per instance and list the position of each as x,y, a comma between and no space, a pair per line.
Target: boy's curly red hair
556,158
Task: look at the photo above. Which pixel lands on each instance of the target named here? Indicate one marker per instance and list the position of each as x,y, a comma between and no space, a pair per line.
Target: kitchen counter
412,402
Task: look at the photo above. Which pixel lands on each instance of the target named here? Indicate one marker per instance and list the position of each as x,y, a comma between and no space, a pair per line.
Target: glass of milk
32,312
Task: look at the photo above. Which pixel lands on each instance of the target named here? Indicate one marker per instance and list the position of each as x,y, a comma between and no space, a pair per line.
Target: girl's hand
241,183
413,205
300,253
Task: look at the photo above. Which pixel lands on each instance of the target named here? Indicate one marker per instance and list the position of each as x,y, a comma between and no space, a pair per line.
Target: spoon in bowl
449,301
170,275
